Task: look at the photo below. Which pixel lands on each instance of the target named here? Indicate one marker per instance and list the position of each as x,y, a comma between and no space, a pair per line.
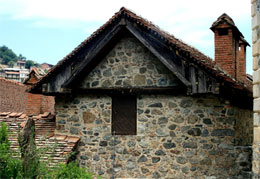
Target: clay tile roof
195,55
61,137
11,81
22,116
13,114
72,139
45,114
4,113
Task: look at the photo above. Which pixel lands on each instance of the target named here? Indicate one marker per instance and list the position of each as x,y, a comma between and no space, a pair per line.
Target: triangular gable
196,71
130,65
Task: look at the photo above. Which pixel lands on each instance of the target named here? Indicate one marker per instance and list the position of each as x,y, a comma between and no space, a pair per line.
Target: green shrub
68,171
10,167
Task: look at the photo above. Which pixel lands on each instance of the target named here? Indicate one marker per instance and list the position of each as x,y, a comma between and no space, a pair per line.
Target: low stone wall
177,137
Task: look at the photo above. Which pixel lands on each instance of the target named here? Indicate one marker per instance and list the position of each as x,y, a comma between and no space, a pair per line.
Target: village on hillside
19,72
133,101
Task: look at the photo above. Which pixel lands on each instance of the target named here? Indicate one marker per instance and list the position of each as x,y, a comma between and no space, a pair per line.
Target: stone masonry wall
255,10
244,127
177,137
129,64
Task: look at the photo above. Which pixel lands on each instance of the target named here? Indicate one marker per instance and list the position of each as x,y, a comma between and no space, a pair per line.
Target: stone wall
256,88
244,127
129,64
177,137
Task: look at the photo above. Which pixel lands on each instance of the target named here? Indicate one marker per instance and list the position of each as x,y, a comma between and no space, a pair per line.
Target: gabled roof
141,28
36,73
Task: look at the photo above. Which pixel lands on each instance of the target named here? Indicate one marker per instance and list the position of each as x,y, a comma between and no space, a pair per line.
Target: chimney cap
226,19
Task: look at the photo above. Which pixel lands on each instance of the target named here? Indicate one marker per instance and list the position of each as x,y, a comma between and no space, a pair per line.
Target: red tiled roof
11,81
12,72
195,55
45,136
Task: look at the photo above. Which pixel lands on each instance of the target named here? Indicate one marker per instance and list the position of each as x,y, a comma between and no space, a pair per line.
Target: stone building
147,105
256,59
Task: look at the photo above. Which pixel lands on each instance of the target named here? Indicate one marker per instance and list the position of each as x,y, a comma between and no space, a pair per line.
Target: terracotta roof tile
13,114
11,81
45,114
22,116
61,137
4,113
72,139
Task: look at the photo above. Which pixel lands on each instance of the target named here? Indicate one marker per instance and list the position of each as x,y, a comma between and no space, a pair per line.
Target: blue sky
46,31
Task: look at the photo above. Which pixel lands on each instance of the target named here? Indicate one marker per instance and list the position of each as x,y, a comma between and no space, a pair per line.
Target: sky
48,30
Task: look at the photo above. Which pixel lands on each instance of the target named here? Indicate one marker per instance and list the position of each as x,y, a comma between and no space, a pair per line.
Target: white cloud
188,20
172,15
102,9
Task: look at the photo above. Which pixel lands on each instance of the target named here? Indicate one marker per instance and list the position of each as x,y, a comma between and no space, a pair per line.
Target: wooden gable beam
92,54
165,60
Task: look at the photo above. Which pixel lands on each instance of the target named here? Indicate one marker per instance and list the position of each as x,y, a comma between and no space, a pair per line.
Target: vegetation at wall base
11,166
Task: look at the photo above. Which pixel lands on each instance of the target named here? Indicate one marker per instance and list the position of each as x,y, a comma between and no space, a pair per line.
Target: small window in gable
124,115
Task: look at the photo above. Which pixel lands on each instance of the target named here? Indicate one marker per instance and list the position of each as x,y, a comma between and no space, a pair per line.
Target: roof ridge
11,81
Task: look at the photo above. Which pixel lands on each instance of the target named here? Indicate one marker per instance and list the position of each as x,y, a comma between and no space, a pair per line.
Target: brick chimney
230,47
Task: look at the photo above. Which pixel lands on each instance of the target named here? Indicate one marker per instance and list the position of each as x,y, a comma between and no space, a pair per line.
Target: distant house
146,105
46,66
20,64
35,75
15,74
12,73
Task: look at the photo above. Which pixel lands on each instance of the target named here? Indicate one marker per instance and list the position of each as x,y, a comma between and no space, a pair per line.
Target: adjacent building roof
58,146
35,75
143,29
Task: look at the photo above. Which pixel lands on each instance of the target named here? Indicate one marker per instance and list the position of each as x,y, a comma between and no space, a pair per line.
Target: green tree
7,55
21,57
29,63
11,64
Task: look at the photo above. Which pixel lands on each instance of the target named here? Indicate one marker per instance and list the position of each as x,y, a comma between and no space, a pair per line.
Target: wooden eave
196,71
153,44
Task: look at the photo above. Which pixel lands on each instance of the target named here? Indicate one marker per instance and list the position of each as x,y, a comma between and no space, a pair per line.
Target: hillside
8,57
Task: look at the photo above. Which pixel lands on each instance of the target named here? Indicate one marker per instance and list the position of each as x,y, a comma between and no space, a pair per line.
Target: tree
29,63
11,64
21,57
7,55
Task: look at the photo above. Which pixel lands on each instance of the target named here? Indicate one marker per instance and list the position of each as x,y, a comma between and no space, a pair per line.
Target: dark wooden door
124,115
